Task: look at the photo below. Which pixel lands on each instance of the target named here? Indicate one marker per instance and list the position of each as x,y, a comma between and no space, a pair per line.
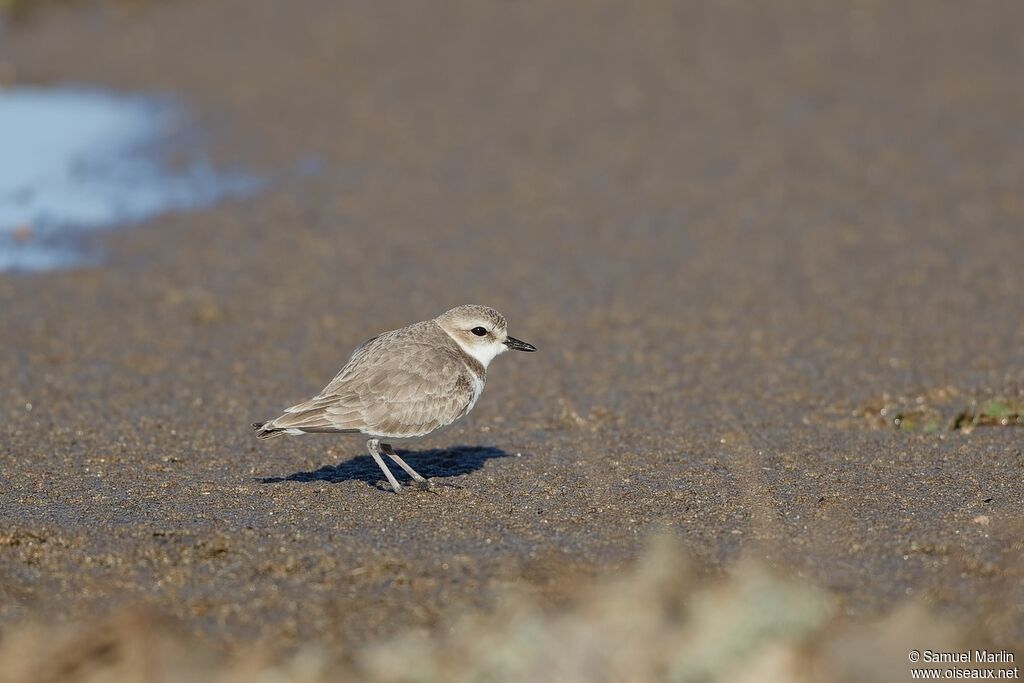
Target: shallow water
74,159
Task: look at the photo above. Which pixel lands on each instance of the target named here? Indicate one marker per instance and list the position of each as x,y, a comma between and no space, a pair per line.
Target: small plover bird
405,383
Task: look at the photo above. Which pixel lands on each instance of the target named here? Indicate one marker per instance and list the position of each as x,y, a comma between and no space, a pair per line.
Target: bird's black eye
478,331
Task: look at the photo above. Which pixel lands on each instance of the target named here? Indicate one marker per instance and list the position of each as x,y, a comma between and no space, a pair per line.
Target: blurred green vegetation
18,10
660,621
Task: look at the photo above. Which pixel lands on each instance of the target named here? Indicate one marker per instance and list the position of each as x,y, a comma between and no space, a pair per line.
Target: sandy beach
744,237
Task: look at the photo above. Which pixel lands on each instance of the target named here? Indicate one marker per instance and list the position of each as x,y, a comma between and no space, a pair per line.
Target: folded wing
390,387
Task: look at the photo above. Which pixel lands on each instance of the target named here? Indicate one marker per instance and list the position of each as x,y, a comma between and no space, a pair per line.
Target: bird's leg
390,452
373,445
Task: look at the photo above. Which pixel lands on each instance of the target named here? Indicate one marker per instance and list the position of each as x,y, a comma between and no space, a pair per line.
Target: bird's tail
265,430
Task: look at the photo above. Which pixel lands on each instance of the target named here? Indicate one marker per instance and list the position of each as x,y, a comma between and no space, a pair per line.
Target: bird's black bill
517,345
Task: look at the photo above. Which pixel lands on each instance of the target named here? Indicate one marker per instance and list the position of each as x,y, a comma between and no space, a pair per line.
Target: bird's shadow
436,463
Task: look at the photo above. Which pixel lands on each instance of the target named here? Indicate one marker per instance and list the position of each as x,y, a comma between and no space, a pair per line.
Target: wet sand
727,228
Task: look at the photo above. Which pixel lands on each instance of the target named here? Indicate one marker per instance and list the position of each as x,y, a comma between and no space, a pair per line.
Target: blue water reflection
73,159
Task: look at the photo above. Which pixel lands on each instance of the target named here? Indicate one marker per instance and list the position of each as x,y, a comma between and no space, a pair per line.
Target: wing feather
403,383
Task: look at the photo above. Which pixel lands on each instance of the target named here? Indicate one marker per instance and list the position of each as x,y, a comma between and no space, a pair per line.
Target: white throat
484,354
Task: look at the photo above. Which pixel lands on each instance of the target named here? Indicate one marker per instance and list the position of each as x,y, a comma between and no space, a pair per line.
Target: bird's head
480,331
